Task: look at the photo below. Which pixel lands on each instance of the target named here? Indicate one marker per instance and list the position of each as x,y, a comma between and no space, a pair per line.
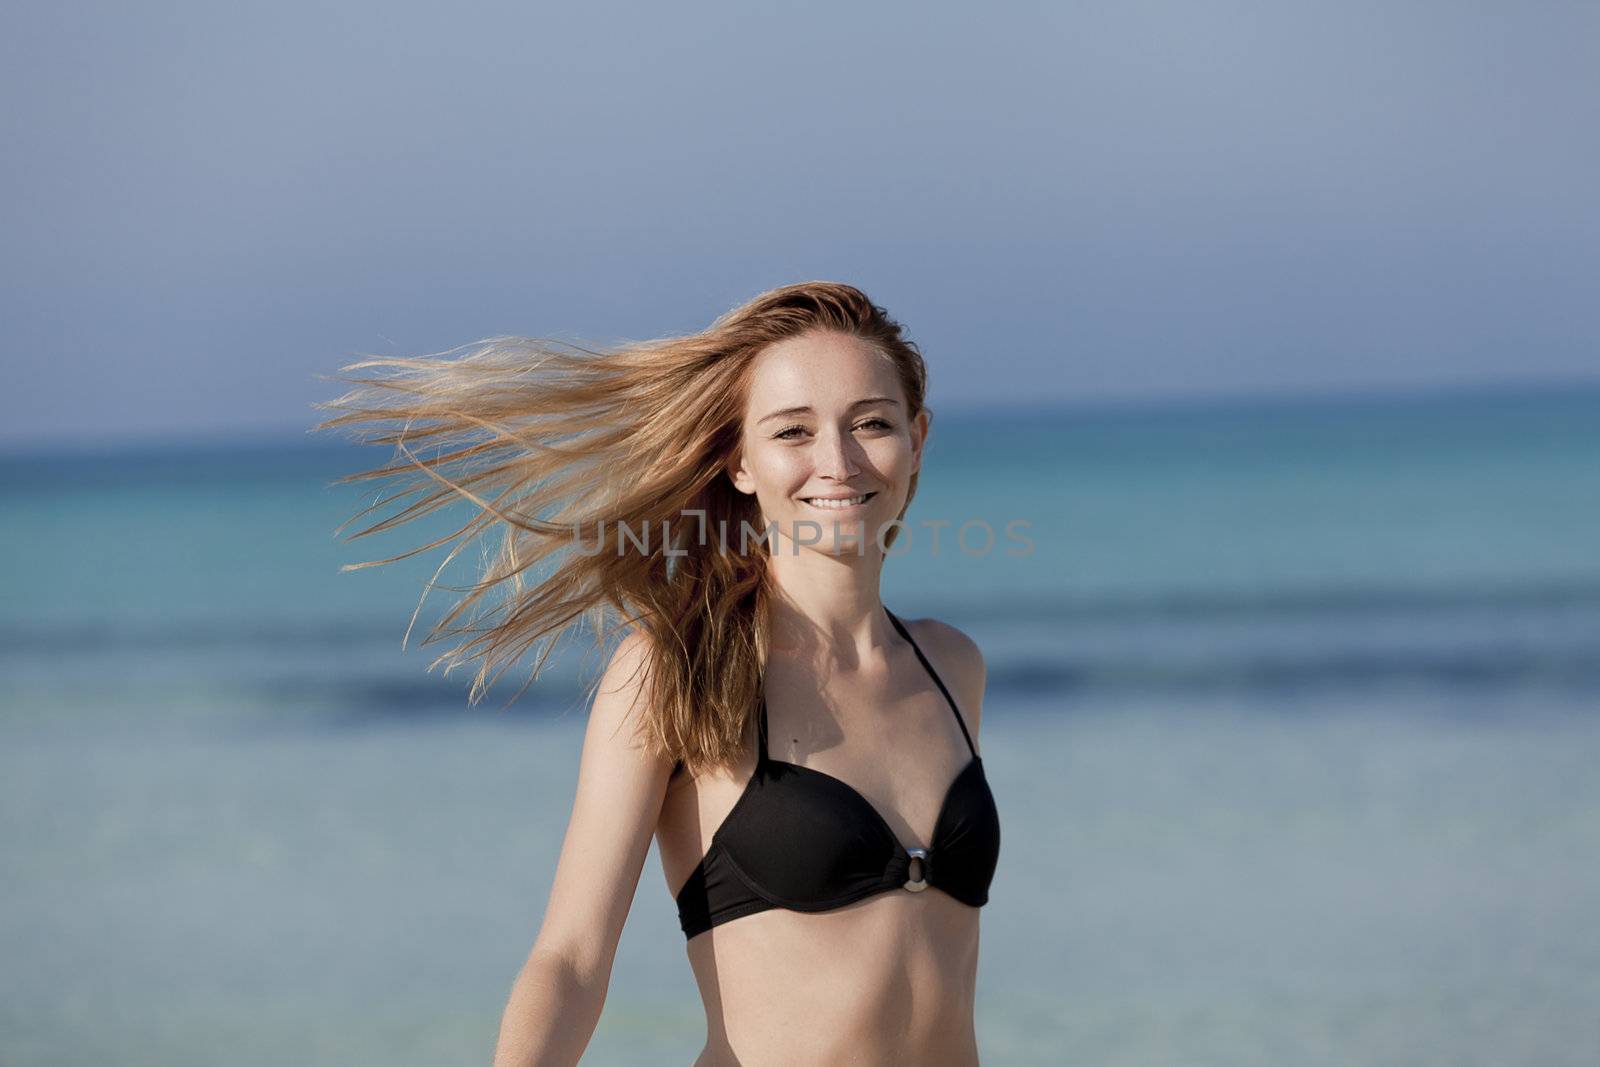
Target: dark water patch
1324,601
1301,675
356,703
1286,679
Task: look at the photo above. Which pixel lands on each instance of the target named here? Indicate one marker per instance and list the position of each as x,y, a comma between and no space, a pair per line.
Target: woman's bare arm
556,999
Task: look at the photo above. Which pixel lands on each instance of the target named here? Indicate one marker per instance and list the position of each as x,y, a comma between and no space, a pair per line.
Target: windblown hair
548,438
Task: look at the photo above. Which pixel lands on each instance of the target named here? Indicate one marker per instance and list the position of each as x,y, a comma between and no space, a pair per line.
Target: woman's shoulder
622,694
957,658
630,660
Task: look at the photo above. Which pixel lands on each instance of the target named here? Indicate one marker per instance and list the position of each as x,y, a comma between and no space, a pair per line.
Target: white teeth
838,504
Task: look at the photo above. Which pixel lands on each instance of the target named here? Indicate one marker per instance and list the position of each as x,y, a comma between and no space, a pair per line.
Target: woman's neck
836,619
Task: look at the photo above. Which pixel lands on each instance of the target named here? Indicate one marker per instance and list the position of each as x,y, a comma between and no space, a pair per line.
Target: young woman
806,760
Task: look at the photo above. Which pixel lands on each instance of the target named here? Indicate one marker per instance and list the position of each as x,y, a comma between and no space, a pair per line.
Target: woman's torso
884,979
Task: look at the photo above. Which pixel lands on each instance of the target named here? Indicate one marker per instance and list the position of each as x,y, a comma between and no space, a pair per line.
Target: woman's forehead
820,369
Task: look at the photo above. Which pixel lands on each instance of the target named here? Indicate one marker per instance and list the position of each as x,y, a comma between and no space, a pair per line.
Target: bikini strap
898,625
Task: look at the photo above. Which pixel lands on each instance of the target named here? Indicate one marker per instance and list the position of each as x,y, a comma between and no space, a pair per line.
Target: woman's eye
788,432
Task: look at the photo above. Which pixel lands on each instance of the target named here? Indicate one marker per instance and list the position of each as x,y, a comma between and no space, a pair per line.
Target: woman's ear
739,475
919,438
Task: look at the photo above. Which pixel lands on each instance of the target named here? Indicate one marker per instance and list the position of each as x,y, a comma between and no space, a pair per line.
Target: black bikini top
804,840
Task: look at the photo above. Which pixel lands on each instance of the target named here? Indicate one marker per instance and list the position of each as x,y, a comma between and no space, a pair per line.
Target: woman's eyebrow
805,410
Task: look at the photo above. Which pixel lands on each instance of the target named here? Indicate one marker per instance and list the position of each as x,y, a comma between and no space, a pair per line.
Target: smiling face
827,440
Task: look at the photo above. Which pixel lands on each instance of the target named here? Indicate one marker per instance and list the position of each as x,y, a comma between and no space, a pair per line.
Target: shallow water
1384,884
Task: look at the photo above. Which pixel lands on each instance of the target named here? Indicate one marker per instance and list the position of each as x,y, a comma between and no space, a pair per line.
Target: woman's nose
832,456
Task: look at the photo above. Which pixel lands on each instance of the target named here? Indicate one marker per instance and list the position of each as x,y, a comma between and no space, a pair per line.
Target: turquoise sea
1293,721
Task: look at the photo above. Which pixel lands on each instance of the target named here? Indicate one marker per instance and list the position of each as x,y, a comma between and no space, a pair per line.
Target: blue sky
205,205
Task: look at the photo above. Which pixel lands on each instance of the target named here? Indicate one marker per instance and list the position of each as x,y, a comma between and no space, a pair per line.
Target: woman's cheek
789,472
779,475
891,459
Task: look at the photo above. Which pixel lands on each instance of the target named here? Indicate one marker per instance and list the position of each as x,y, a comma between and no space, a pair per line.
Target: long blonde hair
546,439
